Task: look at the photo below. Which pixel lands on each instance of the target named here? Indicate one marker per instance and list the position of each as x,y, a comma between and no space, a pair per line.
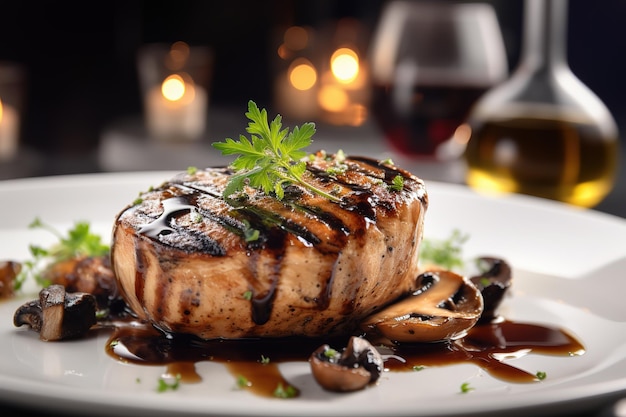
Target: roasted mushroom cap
58,315
445,306
357,366
493,280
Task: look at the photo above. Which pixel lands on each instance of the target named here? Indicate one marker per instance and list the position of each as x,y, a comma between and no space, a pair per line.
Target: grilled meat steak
190,261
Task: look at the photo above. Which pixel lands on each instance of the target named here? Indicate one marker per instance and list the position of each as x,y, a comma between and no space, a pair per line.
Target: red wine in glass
430,62
427,118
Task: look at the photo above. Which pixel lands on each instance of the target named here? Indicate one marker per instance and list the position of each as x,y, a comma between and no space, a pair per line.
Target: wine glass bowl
430,62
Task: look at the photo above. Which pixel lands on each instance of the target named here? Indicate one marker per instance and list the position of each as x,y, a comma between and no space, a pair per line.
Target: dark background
80,57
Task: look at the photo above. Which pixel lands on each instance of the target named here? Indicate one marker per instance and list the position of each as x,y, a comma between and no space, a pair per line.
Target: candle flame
173,87
344,64
302,74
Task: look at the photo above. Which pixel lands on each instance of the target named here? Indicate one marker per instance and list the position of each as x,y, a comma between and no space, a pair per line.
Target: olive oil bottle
543,132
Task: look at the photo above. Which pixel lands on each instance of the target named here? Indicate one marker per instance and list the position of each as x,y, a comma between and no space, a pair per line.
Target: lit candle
176,110
9,125
344,95
296,90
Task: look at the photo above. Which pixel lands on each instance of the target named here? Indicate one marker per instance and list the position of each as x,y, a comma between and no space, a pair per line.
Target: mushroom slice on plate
357,366
493,281
58,315
444,307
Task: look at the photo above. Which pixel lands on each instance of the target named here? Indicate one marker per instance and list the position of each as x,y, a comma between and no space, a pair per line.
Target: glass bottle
543,132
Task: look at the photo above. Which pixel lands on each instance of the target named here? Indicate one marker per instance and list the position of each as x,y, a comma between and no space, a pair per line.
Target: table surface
126,146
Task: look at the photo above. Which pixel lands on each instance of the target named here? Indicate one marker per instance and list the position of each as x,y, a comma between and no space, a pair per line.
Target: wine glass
430,62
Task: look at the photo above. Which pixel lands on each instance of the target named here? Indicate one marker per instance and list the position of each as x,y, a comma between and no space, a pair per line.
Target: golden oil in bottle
565,159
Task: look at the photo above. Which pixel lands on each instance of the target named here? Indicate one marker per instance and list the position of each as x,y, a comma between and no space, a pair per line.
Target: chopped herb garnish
247,295
445,253
102,314
287,391
541,375
264,360
331,353
465,388
271,158
165,385
250,234
192,170
336,169
397,183
418,367
243,382
387,161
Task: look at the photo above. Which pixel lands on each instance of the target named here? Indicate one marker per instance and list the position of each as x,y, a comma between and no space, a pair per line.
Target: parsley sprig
271,158
78,242
447,253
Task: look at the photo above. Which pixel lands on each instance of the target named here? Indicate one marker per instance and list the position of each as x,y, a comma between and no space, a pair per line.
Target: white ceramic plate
569,271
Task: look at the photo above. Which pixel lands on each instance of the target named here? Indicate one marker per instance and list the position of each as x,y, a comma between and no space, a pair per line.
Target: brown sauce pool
256,361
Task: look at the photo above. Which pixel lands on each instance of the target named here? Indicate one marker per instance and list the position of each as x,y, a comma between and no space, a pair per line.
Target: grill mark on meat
263,299
140,271
389,171
264,220
258,218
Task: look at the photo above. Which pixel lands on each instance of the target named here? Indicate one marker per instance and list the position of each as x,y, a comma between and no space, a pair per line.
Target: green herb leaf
79,242
271,158
465,388
164,385
249,233
446,253
331,353
243,382
285,391
541,375
397,183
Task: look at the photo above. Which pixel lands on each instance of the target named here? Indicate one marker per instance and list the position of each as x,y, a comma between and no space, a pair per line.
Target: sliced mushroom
493,280
9,271
357,366
445,306
58,315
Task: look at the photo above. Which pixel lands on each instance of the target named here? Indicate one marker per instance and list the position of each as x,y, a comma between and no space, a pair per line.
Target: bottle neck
545,35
